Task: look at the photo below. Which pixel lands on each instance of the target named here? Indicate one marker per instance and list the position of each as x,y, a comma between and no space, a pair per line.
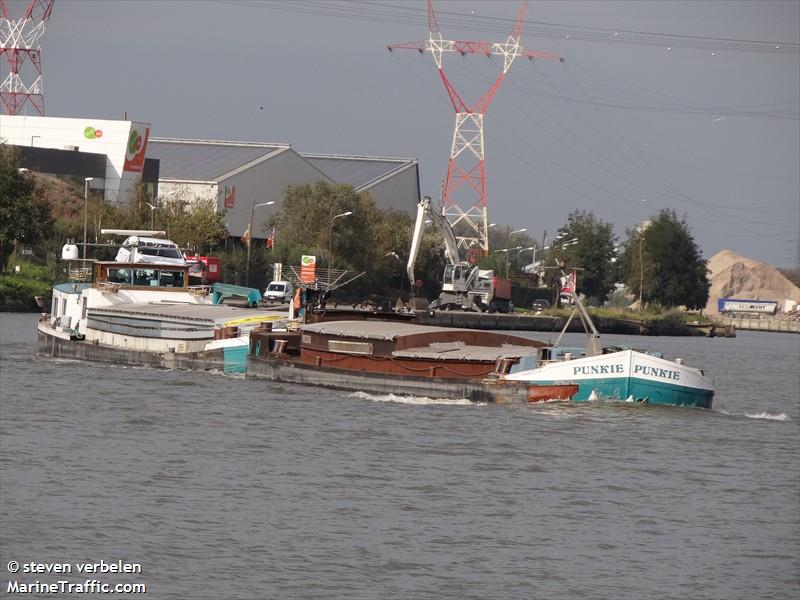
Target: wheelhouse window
145,277
171,279
122,276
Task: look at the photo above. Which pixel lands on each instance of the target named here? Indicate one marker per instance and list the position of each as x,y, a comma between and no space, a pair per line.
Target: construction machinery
464,285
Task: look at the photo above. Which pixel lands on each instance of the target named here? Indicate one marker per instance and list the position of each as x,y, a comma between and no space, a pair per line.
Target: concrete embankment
555,324
783,325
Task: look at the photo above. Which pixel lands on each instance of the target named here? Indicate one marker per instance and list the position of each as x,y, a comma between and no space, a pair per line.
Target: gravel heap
734,276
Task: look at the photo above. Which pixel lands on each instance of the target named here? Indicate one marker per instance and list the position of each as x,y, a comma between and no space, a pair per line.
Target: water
226,488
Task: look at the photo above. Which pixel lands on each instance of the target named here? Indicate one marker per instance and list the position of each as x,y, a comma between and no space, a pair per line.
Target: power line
403,14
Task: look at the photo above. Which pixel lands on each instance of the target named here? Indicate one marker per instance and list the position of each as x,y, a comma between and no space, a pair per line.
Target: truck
464,285
203,269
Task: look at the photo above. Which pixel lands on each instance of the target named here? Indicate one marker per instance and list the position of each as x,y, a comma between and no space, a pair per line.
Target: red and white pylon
19,40
464,189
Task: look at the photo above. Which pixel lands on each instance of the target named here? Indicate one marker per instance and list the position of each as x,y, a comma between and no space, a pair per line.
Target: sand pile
734,276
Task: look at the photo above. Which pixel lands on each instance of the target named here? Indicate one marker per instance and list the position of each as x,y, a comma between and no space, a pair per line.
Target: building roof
358,171
210,160
202,160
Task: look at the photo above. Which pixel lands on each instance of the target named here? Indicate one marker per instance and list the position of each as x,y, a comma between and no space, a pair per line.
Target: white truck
464,286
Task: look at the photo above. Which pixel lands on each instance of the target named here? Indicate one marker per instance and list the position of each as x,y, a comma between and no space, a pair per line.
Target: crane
464,285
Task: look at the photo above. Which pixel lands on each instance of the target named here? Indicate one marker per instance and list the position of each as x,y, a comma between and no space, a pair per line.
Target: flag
246,237
270,242
569,283
230,196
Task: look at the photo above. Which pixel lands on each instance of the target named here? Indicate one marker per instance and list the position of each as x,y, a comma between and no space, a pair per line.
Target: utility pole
464,193
19,41
249,234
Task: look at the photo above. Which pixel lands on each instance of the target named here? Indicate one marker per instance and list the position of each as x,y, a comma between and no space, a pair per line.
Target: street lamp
250,234
86,181
508,244
154,205
535,250
641,228
330,235
152,215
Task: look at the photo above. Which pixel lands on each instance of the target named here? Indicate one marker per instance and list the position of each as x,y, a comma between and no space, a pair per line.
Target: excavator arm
451,245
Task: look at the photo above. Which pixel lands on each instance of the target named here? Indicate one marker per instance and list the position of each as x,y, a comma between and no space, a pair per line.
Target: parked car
279,291
540,305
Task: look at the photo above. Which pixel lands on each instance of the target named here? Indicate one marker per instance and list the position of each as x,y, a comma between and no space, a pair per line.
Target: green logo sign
90,133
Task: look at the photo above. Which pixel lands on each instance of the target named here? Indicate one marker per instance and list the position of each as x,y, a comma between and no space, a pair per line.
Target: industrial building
118,155
112,153
239,175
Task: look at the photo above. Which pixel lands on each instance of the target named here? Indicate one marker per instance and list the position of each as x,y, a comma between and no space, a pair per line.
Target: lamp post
153,204
330,235
152,215
508,244
641,229
250,234
86,181
535,249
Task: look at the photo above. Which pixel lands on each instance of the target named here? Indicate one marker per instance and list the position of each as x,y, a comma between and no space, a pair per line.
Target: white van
279,291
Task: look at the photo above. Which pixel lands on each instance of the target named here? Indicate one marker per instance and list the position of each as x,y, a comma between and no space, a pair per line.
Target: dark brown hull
476,390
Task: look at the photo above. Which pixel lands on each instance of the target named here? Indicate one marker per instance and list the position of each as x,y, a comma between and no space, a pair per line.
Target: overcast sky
706,126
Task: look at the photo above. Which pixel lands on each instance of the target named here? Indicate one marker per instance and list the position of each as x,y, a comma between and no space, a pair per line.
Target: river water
220,487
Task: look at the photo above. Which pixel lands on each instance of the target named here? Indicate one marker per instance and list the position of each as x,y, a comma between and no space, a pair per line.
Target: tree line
659,261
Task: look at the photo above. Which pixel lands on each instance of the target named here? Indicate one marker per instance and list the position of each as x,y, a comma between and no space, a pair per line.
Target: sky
656,104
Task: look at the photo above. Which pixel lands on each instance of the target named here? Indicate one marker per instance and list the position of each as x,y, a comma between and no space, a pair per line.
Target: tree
24,212
372,240
196,225
593,253
663,264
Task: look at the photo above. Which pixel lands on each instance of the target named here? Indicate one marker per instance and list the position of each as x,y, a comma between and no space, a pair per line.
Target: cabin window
54,310
123,276
171,279
85,303
145,277
64,306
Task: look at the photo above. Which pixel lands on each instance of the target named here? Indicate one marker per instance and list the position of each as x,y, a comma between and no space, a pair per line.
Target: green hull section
641,390
235,359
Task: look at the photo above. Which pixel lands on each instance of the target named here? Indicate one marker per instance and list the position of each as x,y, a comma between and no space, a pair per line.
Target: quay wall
783,325
514,322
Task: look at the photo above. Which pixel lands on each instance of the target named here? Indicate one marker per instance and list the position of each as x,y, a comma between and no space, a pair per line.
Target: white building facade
124,144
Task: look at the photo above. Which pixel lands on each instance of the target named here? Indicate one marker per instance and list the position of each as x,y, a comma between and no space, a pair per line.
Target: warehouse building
239,175
116,156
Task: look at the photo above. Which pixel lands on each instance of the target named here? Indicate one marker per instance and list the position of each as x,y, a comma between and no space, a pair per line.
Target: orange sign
308,269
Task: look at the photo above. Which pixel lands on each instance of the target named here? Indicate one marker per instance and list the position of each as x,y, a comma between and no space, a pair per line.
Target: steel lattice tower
19,40
464,189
